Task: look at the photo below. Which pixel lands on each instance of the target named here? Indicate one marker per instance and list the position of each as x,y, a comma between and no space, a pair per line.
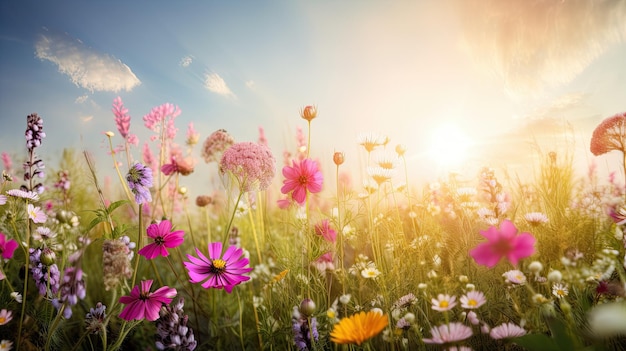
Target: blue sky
503,74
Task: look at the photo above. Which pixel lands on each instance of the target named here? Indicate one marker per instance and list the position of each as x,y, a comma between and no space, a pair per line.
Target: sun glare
449,146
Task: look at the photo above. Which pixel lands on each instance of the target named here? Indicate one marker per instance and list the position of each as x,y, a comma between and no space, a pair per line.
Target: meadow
277,259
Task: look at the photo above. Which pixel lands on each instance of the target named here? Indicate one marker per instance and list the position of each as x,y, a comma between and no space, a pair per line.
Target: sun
449,146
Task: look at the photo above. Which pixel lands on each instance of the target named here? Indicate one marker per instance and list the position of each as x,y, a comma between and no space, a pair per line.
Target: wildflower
339,158
164,238
559,290
72,289
506,331
16,296
472,317
47,278
95,318
36,214
172,328
304,176
203,200
443,302
7,247
302,329
192,135
5,316
405,301
216,272
503,243
514,277
24,194
535,218
6,345
252,165
139,180
358,328
345,299
307,307
308,113
379,174
116,256
535,267
609,135
324,230
122,119
370,273
164,116
371,141
178,164
606,320
143,304
324,263
34,131
400,150
555,276
215,144
473,299
449,333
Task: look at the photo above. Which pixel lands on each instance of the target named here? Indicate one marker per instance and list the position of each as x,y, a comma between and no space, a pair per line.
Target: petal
149,251
299,195
215,250
151,310
165,227
483,255
132,311
508,229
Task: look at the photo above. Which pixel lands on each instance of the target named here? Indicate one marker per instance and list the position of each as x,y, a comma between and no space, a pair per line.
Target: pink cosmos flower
503,243
449,333
217,271
143,304
324,230
7,247
164,239
36,214
304,176
324,263
506,330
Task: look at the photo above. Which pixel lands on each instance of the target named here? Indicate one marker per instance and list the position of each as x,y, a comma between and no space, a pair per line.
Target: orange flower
358,328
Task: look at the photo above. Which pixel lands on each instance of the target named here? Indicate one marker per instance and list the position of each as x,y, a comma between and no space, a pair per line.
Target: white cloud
216,84
186,61
251,84
86,67
86,118
81,99
533,45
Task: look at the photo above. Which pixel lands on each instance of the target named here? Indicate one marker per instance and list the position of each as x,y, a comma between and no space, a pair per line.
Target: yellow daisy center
219,264
472,302
2,320
443,304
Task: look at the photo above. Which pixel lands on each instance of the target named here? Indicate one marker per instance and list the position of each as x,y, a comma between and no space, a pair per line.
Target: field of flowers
278,260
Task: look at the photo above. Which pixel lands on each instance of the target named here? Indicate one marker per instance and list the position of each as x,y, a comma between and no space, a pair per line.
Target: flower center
218,266
303,180
144,296
502,247
2,320
159,240
443,304
472,302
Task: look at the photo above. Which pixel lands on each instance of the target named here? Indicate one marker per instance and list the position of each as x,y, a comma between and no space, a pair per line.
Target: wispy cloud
81,99
251,84
85,66
186,61
534,45
216,84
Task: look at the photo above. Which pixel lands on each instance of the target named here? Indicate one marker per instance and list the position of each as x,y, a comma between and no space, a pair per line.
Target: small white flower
344,299
17,296
559,290
555,276
607,319
370,273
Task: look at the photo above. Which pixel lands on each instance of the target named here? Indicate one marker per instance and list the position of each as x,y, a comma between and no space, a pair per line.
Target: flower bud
338,158
309,113
48,257
203,200
110,134
400,150
307,307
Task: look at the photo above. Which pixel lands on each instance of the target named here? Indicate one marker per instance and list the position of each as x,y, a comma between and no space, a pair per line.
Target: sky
461,83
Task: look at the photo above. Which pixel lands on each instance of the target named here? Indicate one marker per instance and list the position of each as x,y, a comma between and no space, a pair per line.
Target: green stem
139,244
232,218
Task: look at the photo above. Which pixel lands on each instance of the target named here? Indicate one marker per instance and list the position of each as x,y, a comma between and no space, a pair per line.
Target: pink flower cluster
162,115
178,163
215,145
609,135
252,164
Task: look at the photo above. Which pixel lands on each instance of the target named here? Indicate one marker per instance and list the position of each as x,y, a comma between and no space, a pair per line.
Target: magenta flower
217,271
7,247
503,243
324,230
304,176
143,304
164,239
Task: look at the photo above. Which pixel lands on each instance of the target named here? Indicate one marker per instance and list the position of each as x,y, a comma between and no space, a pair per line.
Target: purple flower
172,330
302,330
44,275
139,180
34,131
72,289
163,238
95,318
143,304
218,271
